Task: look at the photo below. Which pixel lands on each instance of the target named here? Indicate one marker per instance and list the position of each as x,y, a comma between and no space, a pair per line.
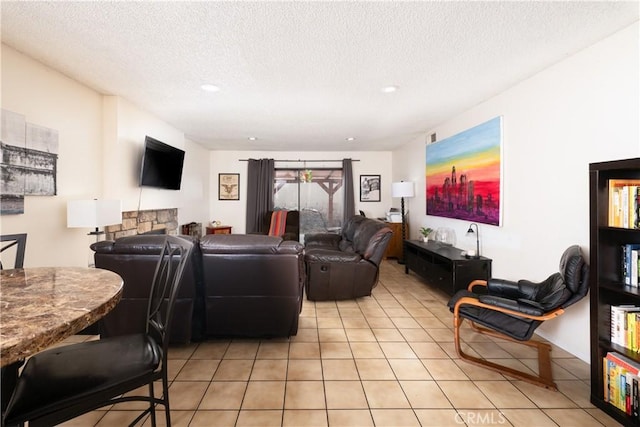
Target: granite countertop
41,306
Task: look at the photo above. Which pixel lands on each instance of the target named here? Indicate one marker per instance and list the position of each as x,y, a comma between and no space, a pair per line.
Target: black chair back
20,242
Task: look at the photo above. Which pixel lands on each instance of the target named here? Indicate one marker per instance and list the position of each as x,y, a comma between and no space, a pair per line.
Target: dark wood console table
444,266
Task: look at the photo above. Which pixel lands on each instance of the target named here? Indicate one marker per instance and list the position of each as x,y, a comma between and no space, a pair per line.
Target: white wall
584,109
100,148
234,212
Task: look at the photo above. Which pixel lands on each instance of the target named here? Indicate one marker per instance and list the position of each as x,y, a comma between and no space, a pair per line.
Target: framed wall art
464,175
228,186
369,188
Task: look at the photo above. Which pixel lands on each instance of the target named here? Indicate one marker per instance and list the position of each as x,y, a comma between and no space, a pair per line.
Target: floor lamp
402,189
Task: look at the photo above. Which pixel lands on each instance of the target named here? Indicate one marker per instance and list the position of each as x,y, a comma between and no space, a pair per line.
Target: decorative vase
425,239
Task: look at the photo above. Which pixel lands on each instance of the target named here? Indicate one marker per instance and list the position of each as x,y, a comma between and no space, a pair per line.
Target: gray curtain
260,176
349,204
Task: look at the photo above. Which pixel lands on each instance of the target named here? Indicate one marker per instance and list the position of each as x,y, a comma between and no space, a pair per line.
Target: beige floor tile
388,335
528,418
304,350
440,334
269,370
345,395
198,370
424,394
355,322
464,395
174,366
384,394
304,395
394,418
605,419
577,367
576,390
229,370
366,350
398,350
488,350
329,323
572,418
273,350
260,418
187,395
444,369
484,417
428,350
409,369
305,322
544,398
332,335
182,351
242,350
305,335
396,311
439,418
405,323
211,350
223,395
352,312
304,369
304,418
415,335
431,322
478,373
350,418
361,334
335,350
264,395
374,369
178,419
339,369
503,394
214,419
380,322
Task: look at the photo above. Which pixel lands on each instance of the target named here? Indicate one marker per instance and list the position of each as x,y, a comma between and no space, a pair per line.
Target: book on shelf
625,330
629,268
624,203
621,377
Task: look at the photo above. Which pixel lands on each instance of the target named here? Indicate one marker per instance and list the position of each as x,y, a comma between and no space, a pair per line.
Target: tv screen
161,165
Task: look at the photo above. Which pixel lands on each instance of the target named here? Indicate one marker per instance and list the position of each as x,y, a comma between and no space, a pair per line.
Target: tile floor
385,360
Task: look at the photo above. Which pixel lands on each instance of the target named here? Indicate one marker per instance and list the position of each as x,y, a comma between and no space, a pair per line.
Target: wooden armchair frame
544,377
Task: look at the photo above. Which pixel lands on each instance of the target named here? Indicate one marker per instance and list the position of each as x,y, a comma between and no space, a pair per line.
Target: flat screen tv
161,165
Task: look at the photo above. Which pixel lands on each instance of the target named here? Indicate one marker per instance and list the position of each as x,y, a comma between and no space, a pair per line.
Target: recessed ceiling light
350,139
209,87
252,138
389,89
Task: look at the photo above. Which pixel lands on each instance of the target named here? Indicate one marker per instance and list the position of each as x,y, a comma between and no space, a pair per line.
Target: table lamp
477,234
93,214
402,189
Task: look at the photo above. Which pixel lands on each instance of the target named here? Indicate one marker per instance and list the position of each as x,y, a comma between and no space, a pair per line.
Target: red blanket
278,223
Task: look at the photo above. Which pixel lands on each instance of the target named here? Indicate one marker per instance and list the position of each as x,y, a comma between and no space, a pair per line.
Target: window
316,193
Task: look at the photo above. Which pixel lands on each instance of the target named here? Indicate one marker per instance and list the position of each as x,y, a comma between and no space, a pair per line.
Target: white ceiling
304,76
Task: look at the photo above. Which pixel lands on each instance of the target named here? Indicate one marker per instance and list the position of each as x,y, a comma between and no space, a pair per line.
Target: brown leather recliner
134,258
345,266
253,285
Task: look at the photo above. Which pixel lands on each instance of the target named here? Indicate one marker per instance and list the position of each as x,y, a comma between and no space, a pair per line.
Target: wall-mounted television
161,165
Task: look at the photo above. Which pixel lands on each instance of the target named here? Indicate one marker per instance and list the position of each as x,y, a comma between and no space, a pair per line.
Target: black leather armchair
345,266
512,310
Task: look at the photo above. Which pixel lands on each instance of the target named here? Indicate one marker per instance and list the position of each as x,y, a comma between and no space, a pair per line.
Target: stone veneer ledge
141,222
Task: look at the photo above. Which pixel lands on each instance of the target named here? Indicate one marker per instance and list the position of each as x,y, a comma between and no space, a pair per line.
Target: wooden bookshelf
606,280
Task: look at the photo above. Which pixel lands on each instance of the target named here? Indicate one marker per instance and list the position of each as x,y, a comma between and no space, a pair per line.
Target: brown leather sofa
346,265
253,285
234,285
134,258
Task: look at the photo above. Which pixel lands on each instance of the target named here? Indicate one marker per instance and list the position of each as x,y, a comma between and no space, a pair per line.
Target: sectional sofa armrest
331,256
330,240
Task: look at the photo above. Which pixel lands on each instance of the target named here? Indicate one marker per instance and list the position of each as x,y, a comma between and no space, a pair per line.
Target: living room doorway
316,192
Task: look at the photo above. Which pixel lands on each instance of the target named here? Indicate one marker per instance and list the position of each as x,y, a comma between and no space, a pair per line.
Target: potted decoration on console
425,231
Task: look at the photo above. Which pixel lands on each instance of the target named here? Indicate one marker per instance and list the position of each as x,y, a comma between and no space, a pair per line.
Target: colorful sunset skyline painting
463,174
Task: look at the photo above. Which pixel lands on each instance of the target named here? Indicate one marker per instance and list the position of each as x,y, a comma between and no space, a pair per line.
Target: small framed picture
228,186
369,188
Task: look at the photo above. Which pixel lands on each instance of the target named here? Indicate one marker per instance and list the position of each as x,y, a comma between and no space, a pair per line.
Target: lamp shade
93,213
402,189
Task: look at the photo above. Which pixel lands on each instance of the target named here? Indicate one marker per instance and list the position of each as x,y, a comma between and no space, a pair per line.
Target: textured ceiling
306,75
